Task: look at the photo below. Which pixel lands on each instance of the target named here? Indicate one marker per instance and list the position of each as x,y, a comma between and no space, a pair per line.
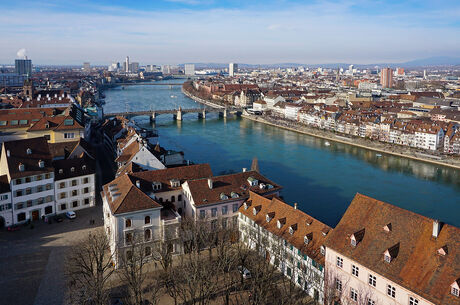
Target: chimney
245,169
295,206
436,228
138,184
210,183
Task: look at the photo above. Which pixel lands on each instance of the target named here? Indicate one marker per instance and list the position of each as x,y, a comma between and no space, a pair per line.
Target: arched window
147,234
179,197
147,219
128,223
148,251
173,198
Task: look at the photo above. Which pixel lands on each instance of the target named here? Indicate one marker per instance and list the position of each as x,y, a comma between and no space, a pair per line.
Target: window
288,271
323,250
23,122
86,190
147,234
224,210
235,207
69,135
40,188
86,201
39,177
214,224
48,186
62,185
224,223
28,191
75,204
202,214
62,195
370,301
19,193
146,219
48,210
391,291
413,301
63,206
18,181
173,198
74,182
75,193
21,216
214,212
353,294
355,270
372,280
454,291
85,180
4,197
128,237
179,198
339,262
14,122
68,122
148,251
128,223
28,179
29,203
235,220
47,176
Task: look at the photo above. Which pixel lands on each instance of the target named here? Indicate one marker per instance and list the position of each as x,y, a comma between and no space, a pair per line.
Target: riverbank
379,147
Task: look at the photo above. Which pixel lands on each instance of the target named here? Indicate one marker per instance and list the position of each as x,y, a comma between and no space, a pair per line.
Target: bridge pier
153,117
202,115
178,115
224,114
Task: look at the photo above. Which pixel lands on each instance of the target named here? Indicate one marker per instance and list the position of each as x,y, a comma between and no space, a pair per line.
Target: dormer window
253,181
323,250
280,223
72,169
292,229
29,151
325,230
309,221
387,258
223,196
269,216
261,186
61,171
21,167
245,206
234,195
83,167
156,186
256,210
387,227
455,289
442,251
41,164
391,253
174,182
357,237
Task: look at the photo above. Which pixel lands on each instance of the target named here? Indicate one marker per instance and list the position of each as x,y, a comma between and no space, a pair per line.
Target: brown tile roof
237,183
128,152
416,265
55,123
302,224
30,115
18,155
124,197
164,176
61,150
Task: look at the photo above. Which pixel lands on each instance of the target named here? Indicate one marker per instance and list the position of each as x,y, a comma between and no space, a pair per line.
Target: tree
89,267
132,272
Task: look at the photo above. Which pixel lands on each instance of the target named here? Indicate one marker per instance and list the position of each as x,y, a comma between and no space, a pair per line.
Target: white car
70,214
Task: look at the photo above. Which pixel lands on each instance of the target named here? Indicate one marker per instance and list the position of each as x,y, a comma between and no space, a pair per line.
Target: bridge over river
177,113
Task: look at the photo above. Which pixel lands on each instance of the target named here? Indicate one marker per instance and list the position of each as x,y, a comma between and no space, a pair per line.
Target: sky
251,31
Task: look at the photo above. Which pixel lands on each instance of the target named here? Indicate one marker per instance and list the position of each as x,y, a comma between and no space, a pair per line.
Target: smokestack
210,183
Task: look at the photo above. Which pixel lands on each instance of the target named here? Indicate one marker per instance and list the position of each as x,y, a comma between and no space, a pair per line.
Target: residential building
28,167
287,238
23,67
232,69
382,254
189,69
74,184
386,78
6,208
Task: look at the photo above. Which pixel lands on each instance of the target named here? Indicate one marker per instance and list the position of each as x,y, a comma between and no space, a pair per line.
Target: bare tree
132,272
335,286
89,267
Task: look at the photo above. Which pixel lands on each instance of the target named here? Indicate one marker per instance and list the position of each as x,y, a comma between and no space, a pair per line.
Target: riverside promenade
380,147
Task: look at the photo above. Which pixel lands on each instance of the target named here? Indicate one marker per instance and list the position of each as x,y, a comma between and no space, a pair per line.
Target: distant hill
424,62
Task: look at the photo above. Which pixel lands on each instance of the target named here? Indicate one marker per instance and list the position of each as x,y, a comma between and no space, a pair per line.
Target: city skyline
180,31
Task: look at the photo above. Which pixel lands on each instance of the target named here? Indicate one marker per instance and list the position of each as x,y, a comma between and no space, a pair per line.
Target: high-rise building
232,69
189,69
386,77
134,68
23,67
126,66
400,71
86,67
166,69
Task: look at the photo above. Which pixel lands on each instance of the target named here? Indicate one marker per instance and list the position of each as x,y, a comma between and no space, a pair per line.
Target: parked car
14,228
245,272
70,214
58,218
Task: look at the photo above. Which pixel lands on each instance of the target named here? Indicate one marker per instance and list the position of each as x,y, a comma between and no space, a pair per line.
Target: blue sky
258,32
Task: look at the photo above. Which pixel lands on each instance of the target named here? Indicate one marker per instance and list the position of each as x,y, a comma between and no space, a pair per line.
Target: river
321,179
